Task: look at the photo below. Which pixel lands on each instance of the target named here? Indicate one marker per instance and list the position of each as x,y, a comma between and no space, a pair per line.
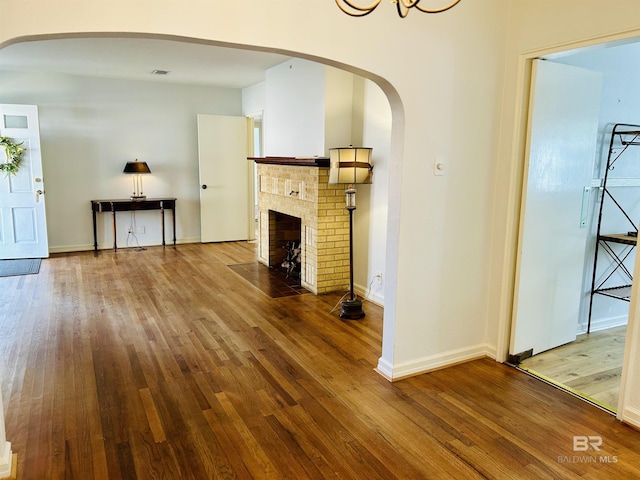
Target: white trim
631,416
385,369
6,461
109,246
434,362
72,248
578,46
376,296
604,324
509,270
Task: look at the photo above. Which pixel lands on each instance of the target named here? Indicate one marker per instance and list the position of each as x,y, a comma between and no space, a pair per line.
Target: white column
5,447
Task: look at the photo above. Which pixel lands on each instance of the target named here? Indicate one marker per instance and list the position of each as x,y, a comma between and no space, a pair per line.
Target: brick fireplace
299,188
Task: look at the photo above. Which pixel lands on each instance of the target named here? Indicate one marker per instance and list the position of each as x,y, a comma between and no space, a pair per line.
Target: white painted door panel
23,225
563,128
225,171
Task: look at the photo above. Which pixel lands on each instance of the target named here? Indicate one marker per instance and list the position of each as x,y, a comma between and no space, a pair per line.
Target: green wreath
14,153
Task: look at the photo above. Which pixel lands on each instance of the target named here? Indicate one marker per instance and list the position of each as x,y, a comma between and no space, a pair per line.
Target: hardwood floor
166,363
591,366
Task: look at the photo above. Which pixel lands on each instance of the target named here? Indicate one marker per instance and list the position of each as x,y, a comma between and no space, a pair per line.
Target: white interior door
224,178
23,223
563,129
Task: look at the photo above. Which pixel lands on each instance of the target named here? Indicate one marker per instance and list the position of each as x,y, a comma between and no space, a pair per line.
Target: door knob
38,193
204,187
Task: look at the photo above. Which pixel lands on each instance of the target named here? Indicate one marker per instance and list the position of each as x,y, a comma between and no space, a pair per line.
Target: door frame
516,190
253,181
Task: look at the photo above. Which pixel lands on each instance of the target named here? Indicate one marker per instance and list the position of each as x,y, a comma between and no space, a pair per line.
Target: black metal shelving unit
617,246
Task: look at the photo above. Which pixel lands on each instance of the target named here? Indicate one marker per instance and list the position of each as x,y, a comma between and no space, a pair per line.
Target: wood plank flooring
590,366
165,363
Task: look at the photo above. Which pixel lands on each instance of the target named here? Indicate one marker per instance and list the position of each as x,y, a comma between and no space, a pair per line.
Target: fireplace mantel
294,161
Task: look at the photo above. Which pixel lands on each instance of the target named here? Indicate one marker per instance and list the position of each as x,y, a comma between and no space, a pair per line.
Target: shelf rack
617,246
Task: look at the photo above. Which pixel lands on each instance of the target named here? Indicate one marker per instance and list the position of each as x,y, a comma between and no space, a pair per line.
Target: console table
128,205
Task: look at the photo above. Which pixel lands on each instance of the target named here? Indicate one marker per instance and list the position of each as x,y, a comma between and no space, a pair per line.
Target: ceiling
136,58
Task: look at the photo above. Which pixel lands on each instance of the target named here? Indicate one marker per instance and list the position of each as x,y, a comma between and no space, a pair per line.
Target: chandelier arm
434,10
360,11
403,3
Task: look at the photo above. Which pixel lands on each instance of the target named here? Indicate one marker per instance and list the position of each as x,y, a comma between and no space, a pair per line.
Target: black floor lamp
350,165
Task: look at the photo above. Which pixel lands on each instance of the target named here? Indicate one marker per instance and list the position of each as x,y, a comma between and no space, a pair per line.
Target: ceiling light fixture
350,8
159,72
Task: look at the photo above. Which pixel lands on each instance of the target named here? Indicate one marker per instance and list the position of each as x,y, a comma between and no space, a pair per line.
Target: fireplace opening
285,248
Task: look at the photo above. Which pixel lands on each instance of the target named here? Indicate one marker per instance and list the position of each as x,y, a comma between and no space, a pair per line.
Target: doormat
21,266
270,281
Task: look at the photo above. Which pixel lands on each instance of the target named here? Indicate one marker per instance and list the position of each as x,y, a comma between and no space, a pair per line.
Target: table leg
162,214
95,233
115,233
173,216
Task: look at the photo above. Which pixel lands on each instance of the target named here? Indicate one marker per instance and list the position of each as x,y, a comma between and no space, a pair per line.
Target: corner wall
297,94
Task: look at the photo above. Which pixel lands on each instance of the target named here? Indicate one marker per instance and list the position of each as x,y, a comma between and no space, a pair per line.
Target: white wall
294,109
370,221
343,109
253,99
90,127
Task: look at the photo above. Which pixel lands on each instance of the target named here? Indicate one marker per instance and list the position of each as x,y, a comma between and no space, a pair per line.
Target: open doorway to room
172,81
581,207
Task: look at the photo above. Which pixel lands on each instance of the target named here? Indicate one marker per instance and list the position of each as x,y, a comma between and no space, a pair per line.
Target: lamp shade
350,165
136,167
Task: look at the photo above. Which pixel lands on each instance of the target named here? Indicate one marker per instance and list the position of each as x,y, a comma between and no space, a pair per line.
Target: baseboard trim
385,369
8,465
605,323
71,248
631,416
376,297
88,248
434,362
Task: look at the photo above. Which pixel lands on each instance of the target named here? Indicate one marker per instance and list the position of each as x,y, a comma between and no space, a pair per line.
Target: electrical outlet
141,230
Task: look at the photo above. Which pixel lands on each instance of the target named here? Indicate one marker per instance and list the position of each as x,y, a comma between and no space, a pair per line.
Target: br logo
582,443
